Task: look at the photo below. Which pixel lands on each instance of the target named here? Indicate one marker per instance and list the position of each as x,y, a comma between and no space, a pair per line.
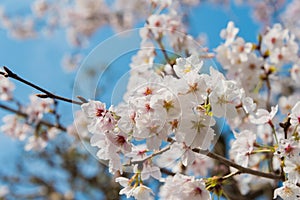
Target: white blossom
292,168
229,33
288,191
6,88
184,187
101,119
262,116
242,147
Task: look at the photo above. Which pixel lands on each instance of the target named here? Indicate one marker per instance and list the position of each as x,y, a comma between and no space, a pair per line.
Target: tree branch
150,156
236,166
43,122
47,94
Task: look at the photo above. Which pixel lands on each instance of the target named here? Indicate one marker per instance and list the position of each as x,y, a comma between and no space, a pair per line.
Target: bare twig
236,166
162,48
150,156
47,94
168,60
167,172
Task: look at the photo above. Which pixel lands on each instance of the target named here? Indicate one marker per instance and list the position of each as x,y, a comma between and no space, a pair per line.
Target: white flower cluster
250,63
6,89
171,110
288,150
184,187
168,113
257,67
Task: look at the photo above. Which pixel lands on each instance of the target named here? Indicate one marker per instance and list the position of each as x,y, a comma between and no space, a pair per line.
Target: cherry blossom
288,191
183,187
248,105
35,143
292,166
295,114
295,73
223,99
262,116
6,88
162,3
169,159
38,107
201,165
289,17
229,33
242,147
142,192
125,182
14,127
286,103
101,119
184,66
149,169
288,148
138,192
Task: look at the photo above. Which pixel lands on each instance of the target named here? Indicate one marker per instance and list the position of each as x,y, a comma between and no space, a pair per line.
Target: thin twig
168,60
152,155
167,172
57,116
268,103
162,48
236,166
47,94
230,175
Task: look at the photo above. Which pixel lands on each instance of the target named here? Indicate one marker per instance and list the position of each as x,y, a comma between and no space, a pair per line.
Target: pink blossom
6,88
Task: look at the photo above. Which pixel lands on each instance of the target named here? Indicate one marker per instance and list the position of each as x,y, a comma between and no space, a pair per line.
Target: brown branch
162,48
47,94
167,172
43,122
215,156
168,60
236,166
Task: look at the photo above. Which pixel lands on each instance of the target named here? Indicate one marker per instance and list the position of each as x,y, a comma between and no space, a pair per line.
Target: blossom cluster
173,112
20,125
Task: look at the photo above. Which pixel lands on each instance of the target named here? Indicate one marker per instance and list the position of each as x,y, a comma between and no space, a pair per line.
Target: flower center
148,91
197,191
99,112
168,105
120,139
273,40
288,149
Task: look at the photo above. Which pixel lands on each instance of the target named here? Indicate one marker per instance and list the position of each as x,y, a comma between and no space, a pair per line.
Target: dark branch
236,166
47,94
